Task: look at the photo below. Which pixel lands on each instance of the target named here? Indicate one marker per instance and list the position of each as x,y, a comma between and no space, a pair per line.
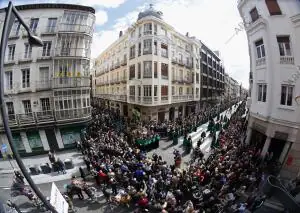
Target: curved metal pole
9,20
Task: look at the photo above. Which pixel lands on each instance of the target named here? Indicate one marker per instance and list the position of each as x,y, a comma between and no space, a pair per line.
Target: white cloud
102,40
212,21
101,17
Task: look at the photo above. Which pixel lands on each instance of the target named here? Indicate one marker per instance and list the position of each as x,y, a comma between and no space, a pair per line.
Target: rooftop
150,12
53,6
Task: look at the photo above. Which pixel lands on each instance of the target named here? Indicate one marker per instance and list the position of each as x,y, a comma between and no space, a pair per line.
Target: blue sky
212,21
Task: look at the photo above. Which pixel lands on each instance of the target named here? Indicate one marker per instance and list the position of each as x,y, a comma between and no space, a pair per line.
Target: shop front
17,140
70,135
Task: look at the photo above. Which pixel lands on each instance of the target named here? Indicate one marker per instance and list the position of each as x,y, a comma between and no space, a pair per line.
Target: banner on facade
58,201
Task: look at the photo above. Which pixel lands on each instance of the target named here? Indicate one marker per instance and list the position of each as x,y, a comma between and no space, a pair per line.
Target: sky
212,21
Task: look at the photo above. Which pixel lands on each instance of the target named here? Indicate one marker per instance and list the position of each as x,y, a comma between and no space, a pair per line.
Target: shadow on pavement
167,147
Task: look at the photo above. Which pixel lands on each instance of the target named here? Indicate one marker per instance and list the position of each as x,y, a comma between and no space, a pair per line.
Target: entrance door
125,110
171,113
186,111
276,147
50,134
258,140
161,116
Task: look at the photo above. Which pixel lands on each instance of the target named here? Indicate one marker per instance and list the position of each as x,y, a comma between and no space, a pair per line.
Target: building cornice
290,124
52,6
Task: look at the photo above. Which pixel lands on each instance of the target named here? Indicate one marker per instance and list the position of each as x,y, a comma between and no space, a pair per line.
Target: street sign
58,201
4,148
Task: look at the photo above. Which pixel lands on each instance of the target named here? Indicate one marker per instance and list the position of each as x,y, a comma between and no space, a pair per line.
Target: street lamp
11,15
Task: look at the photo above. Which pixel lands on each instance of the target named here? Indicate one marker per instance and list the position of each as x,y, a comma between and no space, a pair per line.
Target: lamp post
11,15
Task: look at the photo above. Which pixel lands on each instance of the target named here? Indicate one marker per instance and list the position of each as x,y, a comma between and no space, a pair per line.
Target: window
180,58
262,92
147,90
33,24
197,77
148,29
273,7
155,90
132,72
164,90
132,52
260,49
147,69
44,75
147,46
25,78
155,69
155,29
11,52
46,48
155,47
27,107
132,90
187,91
16,28
139,70
65,48
164,31
10,108
28,51
173,90
45,104
51,25
164,71
284,45
287,95
164,50
8,80
140,31
254,14
197,91
180,90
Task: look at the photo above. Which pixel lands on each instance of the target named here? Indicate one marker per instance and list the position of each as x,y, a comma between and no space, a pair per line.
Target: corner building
155,70
47,89
273,30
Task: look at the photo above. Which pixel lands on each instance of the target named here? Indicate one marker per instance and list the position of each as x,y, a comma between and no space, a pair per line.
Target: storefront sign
58,201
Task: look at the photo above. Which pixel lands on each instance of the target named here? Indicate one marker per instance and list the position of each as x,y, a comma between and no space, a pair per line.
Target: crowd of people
128,175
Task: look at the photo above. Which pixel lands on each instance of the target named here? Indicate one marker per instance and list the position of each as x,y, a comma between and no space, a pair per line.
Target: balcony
43,85
182,98
174,60
147,100
287,60
72,113
82,28
180,62
147,51
132,98
46,117
49,30
124,62
45,54
70,82
188,65
164,53
164,99
72,52
25,57
10,59
260,61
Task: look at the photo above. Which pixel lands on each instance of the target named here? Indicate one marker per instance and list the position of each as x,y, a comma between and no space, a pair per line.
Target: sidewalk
6,168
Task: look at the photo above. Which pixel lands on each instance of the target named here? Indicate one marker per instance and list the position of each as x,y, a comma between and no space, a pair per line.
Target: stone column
248,135
25,142
284,151
266,147
176,113
44,140
59,139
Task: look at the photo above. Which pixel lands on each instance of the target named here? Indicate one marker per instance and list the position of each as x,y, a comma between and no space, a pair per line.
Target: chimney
187,34
121,34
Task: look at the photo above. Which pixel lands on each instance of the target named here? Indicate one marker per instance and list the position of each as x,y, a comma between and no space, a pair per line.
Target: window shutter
273,7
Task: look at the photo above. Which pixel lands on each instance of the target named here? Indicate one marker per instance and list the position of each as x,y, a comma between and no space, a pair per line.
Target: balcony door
44,77
27,107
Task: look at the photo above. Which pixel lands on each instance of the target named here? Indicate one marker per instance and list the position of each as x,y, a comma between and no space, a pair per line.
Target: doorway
125,110
50,134
161,116
171,113
276,147
258,140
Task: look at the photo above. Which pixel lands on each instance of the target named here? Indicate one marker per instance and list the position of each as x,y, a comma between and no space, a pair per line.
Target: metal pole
11,14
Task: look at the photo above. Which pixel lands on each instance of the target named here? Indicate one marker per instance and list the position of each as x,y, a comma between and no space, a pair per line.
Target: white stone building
47,89
156,70
273,30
